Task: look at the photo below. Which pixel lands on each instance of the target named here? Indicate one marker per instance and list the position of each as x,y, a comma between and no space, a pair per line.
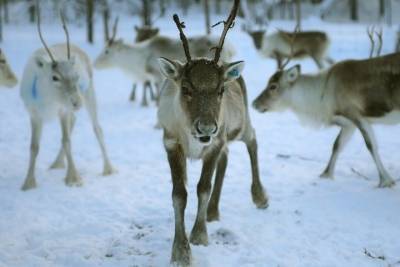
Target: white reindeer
7,76
352,94
140,61
57,81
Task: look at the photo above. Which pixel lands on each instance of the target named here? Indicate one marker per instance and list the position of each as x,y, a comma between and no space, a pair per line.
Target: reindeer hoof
108,170
259,196
29,184
388,182
181,254
73,181
199,236
326,175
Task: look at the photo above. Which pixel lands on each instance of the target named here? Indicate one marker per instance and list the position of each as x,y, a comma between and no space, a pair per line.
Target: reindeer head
273,97
7,76
112,48
201,84
145,33
59,74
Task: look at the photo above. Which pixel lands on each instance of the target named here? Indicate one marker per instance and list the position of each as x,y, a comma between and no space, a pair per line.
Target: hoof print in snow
224,237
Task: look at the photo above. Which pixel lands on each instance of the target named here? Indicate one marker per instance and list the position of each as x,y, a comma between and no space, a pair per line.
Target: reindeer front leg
36,125
342,139
59,161
199,232
181,254
72,178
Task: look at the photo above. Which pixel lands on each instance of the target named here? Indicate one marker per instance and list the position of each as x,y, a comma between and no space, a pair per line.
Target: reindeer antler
296,30
114,31
379,34
180,25
66,33
371,31
40,34
229,23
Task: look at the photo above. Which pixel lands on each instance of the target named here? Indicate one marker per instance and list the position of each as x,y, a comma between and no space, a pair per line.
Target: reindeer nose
206,128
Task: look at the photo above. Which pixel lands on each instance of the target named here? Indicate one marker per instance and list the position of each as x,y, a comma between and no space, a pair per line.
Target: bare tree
207,16
106,19
89,20
353,10
1,20
5,11
298,13
32,11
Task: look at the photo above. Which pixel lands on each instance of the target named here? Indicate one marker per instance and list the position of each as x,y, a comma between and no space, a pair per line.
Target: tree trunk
106,19
218,6
32,11
5,9
298,13
388,5
1,20
162,8
146,13
207,16
353,10
89,20
381,8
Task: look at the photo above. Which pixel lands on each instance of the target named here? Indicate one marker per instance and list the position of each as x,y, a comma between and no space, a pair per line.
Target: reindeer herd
203,106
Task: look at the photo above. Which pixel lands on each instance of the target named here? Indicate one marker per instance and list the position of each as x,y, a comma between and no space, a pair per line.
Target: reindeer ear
293,73
233,70
170,69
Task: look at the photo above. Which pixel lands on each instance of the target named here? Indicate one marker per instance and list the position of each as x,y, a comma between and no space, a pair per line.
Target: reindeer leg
385,180
59,161
30,181
199,235
144,97
342,139
133,93
212,211
92,110
152,93
181,254
260,198
72,178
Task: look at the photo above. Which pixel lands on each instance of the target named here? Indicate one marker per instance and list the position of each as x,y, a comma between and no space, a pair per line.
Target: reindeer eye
186,92
55,79
273,87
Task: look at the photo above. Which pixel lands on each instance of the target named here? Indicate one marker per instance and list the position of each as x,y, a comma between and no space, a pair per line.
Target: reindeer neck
310,99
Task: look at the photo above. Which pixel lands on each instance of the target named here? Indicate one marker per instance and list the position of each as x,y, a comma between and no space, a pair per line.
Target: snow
127,219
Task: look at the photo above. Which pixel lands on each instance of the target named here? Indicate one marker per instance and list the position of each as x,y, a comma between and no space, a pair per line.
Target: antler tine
296,30
114,30
227,25
379,34
180,25
66,34
370,32
40,34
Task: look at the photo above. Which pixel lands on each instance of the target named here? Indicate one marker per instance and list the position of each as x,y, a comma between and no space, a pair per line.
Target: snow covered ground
127,219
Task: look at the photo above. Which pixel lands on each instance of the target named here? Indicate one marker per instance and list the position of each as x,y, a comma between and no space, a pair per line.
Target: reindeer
7,76
203,107
58,81
351,94
308,44
140,62
142,34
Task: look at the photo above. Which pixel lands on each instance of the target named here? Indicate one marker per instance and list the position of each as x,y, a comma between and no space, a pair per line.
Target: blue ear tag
233,73
34,88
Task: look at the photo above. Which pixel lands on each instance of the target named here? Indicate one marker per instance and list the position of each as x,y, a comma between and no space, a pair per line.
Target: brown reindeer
352,94
307,44
203,107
